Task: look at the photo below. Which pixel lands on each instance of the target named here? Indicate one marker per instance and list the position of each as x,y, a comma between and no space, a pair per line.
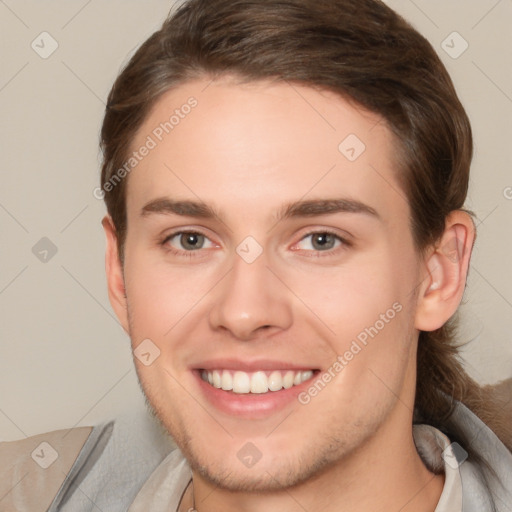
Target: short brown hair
361,50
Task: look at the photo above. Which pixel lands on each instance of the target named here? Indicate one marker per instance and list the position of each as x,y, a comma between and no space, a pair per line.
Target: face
270,273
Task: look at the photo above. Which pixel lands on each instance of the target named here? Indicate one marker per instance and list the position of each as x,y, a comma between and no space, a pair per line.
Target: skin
247,150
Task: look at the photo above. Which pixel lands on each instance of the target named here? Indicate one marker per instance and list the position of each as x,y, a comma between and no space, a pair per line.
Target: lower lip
251,405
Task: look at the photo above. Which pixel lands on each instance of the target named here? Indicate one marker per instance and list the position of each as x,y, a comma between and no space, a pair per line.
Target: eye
188,241
320,241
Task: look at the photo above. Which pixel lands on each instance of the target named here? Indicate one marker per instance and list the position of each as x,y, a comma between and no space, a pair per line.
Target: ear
114,272
446,269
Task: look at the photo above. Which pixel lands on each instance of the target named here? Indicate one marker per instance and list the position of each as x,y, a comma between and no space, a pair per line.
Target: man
286,248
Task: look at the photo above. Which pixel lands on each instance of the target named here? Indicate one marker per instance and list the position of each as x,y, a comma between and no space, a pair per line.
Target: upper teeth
257,382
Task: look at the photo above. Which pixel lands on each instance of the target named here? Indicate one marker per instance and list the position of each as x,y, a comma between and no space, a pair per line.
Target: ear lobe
446,270
114,273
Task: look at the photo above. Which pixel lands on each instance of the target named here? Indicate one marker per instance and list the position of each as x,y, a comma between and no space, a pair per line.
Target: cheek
369,314
159,296
348,299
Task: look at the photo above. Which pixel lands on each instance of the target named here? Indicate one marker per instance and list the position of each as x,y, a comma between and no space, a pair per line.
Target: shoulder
32,470
82,469
489,480
501,393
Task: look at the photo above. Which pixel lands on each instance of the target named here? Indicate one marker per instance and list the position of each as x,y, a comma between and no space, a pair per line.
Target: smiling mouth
258,382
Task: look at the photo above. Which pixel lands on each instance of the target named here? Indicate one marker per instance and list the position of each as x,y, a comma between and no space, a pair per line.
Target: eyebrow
307,208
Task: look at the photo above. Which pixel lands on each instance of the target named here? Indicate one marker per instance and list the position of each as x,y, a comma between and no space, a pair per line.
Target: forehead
258,144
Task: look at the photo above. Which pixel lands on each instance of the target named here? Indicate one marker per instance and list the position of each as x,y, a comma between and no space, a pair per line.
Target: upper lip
250,366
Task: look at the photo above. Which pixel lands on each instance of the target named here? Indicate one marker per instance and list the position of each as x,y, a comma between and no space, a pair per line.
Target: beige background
64,359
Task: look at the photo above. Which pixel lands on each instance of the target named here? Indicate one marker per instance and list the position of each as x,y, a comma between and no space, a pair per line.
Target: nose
250,301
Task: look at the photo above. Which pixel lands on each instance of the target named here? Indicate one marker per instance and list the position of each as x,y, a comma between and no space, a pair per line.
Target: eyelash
315,254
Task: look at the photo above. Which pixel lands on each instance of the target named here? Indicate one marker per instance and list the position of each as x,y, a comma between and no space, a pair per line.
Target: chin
224,469
262,479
